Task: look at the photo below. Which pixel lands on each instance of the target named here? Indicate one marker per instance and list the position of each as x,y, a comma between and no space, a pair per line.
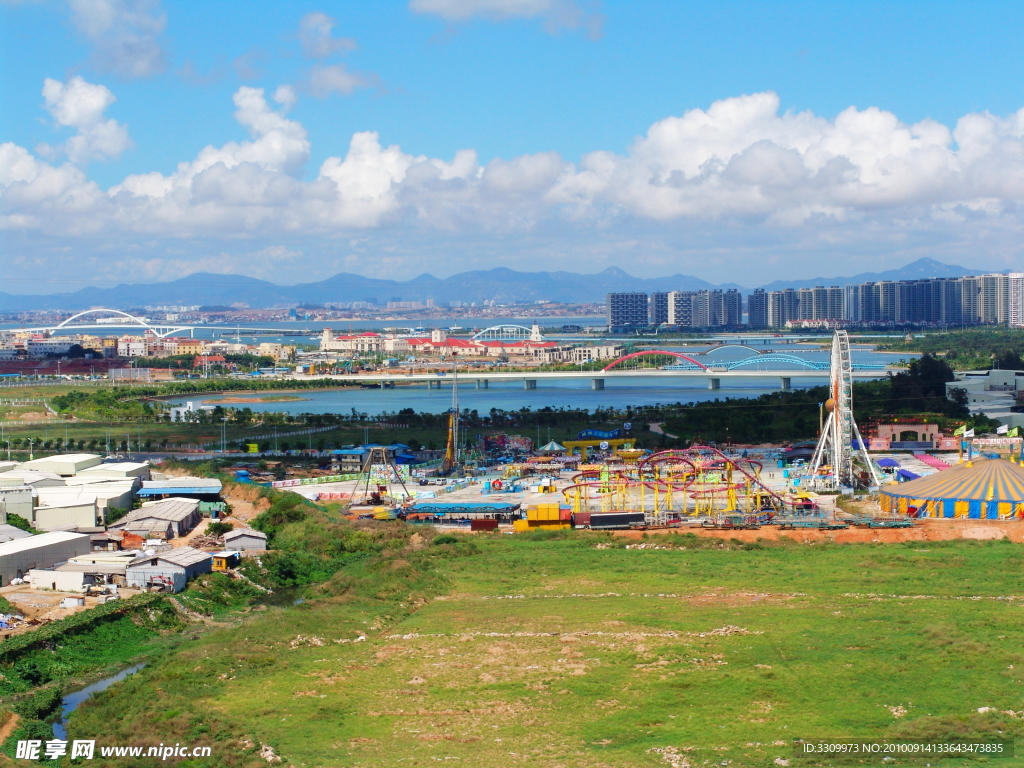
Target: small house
246,539
222,561
168,571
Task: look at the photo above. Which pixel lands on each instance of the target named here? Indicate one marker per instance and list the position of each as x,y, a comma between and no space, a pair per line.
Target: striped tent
990,489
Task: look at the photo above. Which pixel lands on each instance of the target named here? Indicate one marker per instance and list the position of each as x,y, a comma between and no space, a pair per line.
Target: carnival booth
985,488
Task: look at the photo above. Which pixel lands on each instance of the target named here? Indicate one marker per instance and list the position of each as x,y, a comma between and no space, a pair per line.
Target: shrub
219,529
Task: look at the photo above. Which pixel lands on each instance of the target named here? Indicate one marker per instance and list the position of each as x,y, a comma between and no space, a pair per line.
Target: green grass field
575,652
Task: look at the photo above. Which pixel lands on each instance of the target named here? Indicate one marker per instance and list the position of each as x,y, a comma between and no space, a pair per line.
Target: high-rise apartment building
1015,299
757,309
658,309
680,308
626,309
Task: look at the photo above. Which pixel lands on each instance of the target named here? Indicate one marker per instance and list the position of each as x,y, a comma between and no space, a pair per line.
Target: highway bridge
532,379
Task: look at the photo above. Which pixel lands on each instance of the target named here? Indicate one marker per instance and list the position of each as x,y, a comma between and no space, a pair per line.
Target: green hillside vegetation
573,650
968,350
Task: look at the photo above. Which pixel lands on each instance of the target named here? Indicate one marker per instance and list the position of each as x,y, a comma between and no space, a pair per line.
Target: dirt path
8,727
655,427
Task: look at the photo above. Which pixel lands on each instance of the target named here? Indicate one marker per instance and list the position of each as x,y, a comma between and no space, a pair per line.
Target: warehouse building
182,515
245,539
16,500
118,470
193,487
169,571
18,557
20,476
67,514
65,464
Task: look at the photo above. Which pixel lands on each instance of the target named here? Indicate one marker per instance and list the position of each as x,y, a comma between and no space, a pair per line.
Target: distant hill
916,270
500,284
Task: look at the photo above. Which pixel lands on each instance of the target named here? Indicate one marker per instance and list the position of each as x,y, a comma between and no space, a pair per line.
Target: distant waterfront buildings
627,310
996,299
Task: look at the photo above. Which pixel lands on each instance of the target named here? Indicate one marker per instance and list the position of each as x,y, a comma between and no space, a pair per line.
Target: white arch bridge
130,322
509,332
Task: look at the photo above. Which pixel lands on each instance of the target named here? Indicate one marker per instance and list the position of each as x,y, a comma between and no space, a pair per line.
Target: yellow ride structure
697,482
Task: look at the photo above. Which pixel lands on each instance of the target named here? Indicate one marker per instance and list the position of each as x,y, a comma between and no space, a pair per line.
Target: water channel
75,699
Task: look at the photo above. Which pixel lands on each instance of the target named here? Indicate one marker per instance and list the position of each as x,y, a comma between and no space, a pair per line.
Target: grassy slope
822,657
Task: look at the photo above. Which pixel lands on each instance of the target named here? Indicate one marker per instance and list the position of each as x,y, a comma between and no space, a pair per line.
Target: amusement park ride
832,465
699,481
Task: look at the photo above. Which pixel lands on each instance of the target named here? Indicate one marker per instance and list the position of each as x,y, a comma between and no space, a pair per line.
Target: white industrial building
118,470
16,500
103,495
67,514
19,476
18,557
64,464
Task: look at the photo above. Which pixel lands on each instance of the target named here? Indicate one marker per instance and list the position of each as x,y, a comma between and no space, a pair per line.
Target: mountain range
501,285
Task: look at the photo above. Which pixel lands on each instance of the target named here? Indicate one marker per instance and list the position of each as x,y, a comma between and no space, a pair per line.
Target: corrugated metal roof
40,540
174,510
184,556
145,525
244,532
186,482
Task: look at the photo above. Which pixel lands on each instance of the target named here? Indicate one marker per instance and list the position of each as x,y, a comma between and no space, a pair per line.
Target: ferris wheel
832,463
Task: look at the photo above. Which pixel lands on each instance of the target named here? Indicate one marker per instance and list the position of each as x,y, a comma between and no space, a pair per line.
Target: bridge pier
529,383
482,383
597,383
714,383
787,383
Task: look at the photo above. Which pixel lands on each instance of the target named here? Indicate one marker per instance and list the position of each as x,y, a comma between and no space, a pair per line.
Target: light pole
128,445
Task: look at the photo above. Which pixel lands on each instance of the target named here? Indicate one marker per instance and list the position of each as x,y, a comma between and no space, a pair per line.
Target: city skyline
145,140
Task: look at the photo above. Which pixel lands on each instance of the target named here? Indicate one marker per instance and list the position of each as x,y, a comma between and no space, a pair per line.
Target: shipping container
483,525
616,520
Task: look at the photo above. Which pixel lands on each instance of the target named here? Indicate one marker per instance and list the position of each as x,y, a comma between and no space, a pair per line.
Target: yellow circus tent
989,489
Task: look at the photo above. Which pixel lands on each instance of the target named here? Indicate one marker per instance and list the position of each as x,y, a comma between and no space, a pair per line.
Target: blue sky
575,112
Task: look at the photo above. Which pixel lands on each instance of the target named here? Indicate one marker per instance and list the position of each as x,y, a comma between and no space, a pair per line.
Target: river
574,393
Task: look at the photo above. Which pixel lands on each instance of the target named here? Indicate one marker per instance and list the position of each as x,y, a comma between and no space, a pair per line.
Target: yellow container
547,525
520,525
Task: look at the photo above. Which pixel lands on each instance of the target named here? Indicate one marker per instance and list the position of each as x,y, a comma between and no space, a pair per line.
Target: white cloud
316,39
279,148
80,105
285,96
125,35
739,177
325,79
557,15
